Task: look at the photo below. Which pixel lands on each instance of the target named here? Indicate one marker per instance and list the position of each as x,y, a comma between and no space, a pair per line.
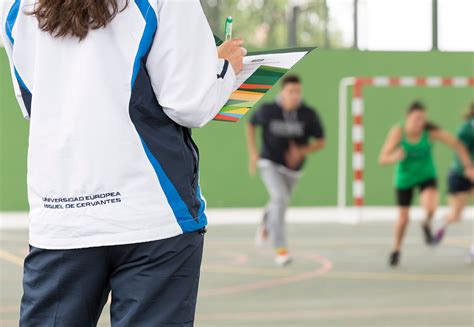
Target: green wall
13,145
225,181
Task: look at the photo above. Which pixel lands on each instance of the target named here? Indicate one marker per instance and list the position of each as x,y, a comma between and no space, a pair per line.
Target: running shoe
439,236
427,233
283,259
394,258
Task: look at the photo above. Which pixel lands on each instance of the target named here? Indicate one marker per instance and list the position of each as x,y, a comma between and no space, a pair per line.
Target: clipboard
262,71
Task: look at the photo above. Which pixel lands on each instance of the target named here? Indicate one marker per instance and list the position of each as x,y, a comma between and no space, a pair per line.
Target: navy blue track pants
152,284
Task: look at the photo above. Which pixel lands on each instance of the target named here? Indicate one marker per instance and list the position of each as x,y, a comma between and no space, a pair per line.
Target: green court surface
339,278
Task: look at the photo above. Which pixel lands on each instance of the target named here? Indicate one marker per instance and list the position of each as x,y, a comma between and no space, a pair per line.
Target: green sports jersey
418,165
466,136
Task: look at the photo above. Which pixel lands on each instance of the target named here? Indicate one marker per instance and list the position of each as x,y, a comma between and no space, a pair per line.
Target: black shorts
405,195
459,184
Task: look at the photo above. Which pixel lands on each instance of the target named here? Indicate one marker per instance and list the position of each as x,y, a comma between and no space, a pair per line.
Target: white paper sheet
279,60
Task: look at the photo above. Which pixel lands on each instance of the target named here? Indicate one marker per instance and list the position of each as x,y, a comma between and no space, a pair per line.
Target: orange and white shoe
283,258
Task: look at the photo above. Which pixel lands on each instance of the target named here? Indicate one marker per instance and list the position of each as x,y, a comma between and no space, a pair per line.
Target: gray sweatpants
280,183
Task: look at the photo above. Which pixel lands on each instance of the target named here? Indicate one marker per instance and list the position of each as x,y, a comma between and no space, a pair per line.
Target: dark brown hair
417,106
75,17
291,79
470,112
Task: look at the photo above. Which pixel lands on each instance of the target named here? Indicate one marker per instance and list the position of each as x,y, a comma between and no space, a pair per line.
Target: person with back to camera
112,89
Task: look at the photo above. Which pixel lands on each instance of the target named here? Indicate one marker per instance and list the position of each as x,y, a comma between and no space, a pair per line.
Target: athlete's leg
156,283
429,200
471,250
261,235
401,226
457,203
283,257
290,180
400,229
404,200
272,181
279,193
459,189
64,287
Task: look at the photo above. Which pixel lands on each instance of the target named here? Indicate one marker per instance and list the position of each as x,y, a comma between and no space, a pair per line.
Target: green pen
228,28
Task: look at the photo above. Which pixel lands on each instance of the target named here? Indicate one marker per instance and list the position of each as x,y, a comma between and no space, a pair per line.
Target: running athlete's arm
316,130
466,134
314,146
7,41
457,146
296,153
252,140
190,82
252,148
391,151
258,118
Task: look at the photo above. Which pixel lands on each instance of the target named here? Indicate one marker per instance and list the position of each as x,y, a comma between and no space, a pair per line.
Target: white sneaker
261,237
283,260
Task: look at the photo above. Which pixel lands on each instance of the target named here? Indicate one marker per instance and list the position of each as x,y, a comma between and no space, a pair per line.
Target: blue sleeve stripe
184,218
11,19
9,24
151,21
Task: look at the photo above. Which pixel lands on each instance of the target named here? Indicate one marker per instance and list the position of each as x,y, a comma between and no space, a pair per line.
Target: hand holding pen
232,50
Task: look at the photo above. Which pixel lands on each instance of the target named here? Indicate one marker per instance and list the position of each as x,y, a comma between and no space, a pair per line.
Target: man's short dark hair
291,79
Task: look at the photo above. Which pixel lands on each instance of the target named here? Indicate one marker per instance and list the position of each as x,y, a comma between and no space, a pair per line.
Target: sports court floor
339,278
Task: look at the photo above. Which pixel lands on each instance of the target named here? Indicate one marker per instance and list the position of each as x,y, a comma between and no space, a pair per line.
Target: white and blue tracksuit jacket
111,159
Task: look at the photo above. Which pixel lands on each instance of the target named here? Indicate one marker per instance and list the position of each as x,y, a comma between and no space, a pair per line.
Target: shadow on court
340,277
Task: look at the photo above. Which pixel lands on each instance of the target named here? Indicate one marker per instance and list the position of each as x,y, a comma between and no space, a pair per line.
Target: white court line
251,216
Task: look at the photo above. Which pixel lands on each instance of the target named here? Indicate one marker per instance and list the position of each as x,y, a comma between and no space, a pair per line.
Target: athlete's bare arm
458,147
391,151
252,148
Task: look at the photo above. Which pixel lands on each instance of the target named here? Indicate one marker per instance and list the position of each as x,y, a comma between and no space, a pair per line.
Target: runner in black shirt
291,131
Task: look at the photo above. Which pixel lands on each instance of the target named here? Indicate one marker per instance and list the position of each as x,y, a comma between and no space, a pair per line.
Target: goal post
354,213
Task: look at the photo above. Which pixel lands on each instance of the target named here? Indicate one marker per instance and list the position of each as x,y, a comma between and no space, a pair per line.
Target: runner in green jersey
460,186
409,145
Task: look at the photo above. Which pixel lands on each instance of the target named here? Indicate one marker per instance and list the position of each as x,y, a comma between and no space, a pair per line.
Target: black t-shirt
281,127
